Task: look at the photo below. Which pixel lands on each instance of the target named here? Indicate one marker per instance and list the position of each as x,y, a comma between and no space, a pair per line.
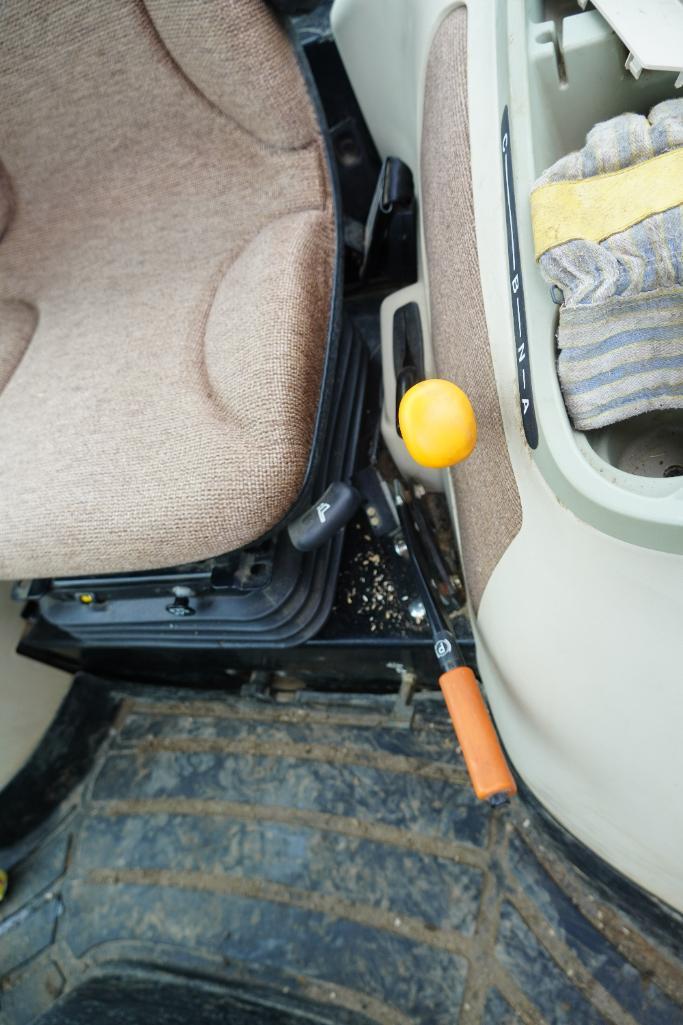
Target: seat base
266,595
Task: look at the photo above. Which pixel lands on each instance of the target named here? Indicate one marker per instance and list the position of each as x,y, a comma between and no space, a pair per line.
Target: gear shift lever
437,423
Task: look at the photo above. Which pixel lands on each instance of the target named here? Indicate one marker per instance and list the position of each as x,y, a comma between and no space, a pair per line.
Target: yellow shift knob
437,423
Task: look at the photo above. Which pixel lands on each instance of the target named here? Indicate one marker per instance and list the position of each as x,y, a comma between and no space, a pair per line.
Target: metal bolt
180,606
371,512
417,611
401,548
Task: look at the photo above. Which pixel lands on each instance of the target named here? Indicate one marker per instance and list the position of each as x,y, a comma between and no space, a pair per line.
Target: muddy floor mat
230,861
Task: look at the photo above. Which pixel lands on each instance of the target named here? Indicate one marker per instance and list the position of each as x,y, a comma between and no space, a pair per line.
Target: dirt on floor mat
235,861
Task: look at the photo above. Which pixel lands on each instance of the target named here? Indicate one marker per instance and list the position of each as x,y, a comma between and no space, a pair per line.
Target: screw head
401,548
417,611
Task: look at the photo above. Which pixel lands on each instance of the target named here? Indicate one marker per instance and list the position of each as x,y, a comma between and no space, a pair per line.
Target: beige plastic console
579,633
652,32
433,480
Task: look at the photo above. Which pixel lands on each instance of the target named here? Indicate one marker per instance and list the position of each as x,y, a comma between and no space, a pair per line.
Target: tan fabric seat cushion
165,281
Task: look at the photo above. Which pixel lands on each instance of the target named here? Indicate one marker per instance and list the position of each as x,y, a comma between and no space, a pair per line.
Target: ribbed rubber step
238,861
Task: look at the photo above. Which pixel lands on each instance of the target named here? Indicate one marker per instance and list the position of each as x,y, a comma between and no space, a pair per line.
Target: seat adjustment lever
331,512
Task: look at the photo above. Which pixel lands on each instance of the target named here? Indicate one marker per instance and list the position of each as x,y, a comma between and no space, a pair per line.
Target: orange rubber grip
476,734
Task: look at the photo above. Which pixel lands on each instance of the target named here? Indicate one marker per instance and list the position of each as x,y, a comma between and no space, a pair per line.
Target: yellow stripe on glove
595,208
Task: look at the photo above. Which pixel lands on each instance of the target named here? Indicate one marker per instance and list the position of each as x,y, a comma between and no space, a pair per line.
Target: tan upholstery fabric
17,324
176,250
489,507
230,51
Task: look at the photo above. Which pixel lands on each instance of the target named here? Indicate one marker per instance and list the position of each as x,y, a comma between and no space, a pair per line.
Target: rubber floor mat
236,861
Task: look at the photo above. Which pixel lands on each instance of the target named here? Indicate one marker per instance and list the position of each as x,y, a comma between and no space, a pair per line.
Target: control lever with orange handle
439,428
486,764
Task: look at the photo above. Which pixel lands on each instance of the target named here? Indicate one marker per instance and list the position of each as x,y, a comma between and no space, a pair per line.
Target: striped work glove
608,232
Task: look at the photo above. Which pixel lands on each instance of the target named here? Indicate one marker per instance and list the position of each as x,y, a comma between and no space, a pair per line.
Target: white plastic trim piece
653,32
433,480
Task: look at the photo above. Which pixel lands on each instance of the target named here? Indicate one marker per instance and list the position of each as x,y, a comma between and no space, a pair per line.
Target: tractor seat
167,256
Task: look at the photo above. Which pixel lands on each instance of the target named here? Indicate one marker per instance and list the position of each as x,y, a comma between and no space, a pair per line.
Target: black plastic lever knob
331,512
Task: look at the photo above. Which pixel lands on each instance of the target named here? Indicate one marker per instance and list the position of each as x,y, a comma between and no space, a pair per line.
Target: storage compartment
577,78
647,446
